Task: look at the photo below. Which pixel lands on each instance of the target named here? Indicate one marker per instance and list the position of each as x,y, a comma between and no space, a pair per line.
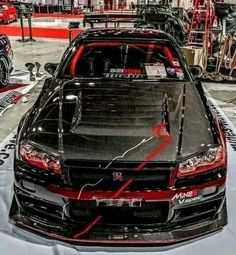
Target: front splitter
165,238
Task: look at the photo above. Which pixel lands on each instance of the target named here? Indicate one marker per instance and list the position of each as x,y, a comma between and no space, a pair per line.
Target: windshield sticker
125,70
124,75
131,71
116,70
179,73
156,69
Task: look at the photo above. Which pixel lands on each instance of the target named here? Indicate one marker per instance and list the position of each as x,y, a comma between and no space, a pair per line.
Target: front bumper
158,216
48,218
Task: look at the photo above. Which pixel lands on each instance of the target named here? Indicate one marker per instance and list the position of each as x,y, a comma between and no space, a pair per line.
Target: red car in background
8,13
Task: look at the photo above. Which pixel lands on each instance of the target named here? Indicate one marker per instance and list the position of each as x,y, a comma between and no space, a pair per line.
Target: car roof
124,33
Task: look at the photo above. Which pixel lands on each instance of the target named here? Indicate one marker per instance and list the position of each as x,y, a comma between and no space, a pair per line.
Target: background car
6,57
8,13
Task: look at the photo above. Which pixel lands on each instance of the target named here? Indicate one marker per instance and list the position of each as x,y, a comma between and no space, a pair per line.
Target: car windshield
152,61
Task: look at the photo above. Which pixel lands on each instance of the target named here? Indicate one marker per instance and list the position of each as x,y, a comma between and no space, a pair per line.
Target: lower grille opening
40,208
198,212
148,213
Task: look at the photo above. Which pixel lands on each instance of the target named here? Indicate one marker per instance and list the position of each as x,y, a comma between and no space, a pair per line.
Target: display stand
31,39
29,18
22,29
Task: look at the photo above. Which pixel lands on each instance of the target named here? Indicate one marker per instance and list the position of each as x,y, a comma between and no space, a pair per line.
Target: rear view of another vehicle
6,56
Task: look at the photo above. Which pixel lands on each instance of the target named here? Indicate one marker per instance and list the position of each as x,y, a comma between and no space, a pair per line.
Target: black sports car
120,147
6,56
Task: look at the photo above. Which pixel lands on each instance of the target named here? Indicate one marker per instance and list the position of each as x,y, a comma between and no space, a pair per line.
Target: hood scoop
119,112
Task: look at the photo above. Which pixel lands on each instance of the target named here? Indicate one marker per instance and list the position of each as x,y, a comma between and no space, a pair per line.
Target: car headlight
39,158
209,159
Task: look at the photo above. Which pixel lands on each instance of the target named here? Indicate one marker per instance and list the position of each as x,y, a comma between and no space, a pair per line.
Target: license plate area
121,202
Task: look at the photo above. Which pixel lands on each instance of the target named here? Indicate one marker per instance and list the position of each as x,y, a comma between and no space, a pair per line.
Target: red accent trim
75,60
88,228
105,44
12,87
58,15
57,33
97,44
168,53
153,195
17,99
108,242
149,46
131,70
79,51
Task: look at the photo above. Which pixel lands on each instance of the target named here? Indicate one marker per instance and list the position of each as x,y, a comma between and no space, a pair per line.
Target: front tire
4,72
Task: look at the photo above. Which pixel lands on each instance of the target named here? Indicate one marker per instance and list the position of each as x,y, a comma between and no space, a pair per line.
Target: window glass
131,60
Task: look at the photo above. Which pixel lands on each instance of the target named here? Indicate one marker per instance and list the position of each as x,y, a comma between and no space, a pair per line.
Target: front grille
149,213
151,177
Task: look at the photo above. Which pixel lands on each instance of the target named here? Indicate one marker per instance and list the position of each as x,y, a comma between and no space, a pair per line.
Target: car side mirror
50,68
196,71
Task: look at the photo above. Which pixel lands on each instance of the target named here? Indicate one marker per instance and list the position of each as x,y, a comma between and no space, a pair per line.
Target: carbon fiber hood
106,120
117,120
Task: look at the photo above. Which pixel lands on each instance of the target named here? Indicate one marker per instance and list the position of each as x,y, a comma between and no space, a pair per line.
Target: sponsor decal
18,86
12,87
229,131
9,99
6,150
155,70
187,197
126,70
132,71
